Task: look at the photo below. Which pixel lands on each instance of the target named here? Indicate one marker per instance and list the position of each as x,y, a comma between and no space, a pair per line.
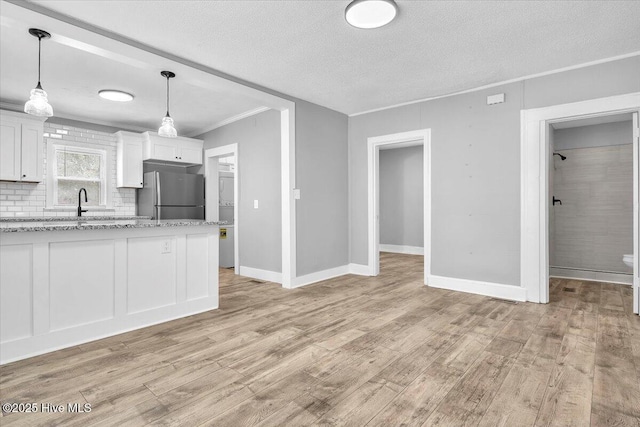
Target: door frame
534,220
374,145
212,192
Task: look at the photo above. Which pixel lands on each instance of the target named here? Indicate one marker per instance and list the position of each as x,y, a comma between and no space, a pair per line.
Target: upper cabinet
186,151
129,148
21,151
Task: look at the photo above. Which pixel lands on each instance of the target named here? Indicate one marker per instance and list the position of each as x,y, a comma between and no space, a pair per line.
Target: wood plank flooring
354,351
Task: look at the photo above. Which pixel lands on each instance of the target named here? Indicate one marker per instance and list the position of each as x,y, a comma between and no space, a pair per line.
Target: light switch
296,193
255,204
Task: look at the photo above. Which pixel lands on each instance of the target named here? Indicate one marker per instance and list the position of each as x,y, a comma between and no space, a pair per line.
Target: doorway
221,172
386,142
536,196
591,210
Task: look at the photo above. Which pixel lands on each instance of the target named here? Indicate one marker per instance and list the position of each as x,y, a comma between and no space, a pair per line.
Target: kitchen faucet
80,210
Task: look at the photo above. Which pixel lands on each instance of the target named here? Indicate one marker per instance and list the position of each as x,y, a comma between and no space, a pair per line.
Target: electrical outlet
255,204
166,247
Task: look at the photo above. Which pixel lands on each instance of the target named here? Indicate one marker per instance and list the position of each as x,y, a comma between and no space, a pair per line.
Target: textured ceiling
306,49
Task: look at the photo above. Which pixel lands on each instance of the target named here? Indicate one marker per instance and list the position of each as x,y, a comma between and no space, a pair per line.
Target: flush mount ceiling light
38,104
115,95
370,13
167,129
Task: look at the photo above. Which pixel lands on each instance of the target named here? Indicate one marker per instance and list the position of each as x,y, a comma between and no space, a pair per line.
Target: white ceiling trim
231,119
518,79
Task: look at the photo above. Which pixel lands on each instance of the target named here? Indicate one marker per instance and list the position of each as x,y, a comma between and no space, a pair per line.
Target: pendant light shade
38,104
369,14
167,129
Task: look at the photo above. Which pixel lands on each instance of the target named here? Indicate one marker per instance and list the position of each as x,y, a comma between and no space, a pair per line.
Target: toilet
628,260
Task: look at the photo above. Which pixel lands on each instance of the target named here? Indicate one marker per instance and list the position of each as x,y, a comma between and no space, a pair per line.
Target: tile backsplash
29,199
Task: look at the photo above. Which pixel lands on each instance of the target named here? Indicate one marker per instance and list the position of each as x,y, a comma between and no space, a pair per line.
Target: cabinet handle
24,176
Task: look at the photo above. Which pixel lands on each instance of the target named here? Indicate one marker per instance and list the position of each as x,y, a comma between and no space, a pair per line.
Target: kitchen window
73,167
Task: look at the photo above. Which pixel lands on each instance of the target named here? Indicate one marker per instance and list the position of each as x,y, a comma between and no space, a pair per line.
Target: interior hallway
358,351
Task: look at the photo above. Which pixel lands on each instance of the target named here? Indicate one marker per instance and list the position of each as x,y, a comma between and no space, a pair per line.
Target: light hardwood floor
355,351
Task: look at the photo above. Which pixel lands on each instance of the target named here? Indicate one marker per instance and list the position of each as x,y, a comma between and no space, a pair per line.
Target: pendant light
167,129
370,13
38,105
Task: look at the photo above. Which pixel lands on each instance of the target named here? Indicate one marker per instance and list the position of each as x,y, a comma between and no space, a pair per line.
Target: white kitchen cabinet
191,151
20,147
62,288
129,159
186,151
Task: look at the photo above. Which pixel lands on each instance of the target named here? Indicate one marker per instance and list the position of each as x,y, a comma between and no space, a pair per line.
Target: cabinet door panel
31,152
133,164
10,135
191,152
160,151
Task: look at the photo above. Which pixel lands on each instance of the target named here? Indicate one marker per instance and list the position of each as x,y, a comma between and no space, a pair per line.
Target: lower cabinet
61,288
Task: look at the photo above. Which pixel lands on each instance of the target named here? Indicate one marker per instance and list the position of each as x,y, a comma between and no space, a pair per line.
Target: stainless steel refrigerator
167,195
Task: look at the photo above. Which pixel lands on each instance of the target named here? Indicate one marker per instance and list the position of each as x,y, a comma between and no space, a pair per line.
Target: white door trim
397,140
211,156
534,251
288,183
636,212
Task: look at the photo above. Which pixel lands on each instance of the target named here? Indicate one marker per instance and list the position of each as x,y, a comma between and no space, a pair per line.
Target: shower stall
591,212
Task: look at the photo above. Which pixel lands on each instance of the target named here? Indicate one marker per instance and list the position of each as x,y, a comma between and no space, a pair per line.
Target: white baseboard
591,276
359,269
402,249
496,290
256,273
319,276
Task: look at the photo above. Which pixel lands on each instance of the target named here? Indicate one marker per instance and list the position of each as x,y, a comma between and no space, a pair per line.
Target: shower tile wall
593,228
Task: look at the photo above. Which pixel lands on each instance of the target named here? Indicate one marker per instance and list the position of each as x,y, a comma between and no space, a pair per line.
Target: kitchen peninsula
64,282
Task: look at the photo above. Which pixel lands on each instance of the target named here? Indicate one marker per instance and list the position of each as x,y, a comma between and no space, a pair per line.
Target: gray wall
258,139
322,218
475,166
594,225
402,196
602,135
321,175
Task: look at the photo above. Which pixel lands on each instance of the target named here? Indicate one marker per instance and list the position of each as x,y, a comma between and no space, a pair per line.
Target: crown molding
504,82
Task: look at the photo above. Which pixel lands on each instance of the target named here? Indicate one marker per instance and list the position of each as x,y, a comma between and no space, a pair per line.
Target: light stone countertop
70,218
12,225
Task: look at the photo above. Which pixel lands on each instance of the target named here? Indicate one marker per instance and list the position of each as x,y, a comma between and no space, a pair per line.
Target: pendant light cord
168,97
39,54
